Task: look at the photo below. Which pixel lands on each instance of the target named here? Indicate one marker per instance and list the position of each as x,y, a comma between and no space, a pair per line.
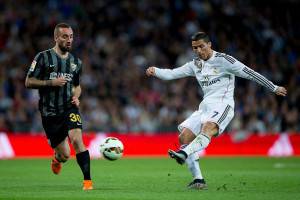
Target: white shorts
220,114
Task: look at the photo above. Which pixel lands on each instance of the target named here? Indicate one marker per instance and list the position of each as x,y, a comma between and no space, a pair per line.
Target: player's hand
60,81
281,91
75,101
150,71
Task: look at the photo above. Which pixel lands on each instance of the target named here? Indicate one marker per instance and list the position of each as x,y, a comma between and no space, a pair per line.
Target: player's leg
214,123
192,161
190,128
62,154
208,130
56,132
82,156
62,151
199,143
75,136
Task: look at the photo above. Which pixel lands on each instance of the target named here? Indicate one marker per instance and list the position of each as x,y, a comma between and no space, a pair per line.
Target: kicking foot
180,156
55,166
87,185
197,184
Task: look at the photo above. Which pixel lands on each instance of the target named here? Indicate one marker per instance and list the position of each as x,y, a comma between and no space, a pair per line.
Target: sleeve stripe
228,58
39,57
260,79
36,70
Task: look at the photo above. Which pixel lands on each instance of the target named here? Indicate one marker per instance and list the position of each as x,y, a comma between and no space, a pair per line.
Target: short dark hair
60,25
200,36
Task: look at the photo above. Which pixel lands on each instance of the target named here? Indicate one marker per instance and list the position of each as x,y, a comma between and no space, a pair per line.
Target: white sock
192,163
199,143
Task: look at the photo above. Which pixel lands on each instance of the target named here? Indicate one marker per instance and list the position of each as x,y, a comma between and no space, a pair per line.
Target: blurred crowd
118,40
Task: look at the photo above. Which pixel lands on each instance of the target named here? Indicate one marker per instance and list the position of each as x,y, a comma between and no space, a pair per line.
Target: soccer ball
111,148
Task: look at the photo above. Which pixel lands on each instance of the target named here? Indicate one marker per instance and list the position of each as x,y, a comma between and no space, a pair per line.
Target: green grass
163,179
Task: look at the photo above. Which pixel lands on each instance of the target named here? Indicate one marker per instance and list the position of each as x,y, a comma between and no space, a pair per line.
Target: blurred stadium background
118,40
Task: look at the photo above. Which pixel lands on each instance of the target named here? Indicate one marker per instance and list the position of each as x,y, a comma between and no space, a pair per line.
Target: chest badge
216,71
198,64
73,67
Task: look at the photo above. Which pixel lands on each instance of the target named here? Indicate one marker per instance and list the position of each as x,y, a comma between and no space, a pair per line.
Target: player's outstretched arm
241,70
281,91
32,82
170,74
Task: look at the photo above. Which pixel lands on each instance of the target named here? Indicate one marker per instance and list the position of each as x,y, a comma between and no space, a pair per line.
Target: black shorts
57,127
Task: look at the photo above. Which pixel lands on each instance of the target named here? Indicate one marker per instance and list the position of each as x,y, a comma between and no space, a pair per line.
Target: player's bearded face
202,49
65,39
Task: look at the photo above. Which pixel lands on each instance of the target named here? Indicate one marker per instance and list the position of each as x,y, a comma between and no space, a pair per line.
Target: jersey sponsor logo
208,83
67,76
206,78
32,66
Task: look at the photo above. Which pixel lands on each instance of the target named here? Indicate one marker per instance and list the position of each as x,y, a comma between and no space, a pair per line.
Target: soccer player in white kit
215,73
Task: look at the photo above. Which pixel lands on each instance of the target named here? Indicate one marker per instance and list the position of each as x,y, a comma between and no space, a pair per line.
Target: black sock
83,160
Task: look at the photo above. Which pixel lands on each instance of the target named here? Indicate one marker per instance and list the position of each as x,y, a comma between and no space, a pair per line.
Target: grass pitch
153,178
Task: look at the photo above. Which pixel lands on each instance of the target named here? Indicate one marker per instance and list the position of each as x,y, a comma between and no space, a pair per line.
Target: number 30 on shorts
75,117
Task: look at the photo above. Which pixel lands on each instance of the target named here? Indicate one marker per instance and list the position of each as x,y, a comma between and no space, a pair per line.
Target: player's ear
56,35
209,44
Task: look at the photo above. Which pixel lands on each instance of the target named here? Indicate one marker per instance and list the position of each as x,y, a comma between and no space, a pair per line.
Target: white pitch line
286,165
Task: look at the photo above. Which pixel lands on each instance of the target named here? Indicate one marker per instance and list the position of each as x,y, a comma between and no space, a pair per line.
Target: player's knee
210,128
75,136
186,137
76,141
78,144
182,139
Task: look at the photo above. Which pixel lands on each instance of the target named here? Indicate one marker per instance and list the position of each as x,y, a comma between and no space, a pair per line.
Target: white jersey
216,76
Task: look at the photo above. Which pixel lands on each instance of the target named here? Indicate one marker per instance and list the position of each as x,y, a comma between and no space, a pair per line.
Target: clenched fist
281,91
75,101
150,71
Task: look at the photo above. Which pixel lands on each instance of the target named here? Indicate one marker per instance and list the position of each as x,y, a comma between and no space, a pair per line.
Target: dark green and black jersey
48,65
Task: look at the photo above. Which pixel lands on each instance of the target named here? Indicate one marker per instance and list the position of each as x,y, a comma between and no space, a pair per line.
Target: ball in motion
111,148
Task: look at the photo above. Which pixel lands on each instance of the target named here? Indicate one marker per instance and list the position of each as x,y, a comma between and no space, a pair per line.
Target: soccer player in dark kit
56,74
